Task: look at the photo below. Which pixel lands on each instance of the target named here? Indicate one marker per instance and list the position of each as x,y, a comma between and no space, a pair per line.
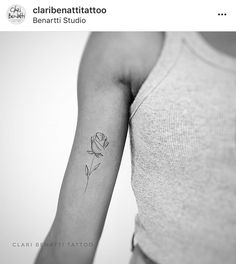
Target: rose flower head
99,143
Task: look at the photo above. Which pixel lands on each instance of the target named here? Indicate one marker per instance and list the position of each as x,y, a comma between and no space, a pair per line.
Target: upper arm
103,106
111,64
121,59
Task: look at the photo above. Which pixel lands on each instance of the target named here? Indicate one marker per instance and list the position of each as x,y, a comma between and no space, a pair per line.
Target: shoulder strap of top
168,56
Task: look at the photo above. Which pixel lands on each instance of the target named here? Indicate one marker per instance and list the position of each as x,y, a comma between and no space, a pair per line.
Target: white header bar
108,15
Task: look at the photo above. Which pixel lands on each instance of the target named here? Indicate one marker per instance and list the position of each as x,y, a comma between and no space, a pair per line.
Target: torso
183,130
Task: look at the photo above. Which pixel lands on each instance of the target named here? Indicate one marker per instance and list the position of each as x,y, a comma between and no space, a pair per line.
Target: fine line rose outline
98,144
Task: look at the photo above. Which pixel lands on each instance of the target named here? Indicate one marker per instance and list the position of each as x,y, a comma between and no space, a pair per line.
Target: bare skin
224,42
112,70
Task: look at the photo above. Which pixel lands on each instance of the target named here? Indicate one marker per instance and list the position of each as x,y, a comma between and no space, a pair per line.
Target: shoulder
126,57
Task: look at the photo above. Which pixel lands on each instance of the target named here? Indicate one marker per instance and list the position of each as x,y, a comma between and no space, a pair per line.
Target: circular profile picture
16,14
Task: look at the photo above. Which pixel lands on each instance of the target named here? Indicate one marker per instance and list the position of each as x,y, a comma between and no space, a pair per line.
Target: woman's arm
104,95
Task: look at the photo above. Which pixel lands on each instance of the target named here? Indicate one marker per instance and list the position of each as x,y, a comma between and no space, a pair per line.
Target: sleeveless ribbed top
183,152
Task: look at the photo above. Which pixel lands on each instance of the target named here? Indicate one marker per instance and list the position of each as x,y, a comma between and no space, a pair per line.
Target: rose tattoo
98,145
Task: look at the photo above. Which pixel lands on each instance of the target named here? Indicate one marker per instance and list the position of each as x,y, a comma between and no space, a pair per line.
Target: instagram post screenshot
118,132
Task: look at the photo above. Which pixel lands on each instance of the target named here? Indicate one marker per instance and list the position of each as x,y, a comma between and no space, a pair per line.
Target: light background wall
38,111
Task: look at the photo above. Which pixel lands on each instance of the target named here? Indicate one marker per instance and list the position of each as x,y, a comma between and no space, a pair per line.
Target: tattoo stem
86,184
90,171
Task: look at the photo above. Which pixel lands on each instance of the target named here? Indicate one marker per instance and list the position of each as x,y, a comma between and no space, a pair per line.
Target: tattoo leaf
95,167
86,170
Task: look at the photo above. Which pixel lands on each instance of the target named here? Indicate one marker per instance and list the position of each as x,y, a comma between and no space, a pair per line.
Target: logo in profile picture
16,14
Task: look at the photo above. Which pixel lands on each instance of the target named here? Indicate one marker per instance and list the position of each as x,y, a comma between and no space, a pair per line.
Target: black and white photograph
118,147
